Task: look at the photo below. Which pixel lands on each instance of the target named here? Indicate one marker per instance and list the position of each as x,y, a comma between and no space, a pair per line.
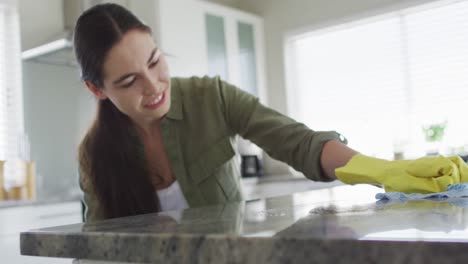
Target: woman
152,132
160,143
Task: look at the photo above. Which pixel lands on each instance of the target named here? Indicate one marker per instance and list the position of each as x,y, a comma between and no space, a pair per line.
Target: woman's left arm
334,155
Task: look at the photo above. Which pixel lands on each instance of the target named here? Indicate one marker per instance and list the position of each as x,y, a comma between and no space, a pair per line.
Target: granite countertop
342,224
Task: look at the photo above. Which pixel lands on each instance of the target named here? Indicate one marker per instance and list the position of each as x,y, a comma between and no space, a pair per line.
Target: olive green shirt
198,132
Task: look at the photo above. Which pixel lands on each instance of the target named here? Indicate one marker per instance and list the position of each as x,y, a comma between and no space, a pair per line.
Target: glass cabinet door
247,58
216,46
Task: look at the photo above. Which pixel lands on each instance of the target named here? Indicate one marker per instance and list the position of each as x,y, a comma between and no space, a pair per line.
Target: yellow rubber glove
423,175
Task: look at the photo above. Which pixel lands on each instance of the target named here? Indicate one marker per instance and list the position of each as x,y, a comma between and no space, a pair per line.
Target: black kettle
251,166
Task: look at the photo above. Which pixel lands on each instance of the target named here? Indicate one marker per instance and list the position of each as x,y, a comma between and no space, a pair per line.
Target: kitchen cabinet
13,220
235,47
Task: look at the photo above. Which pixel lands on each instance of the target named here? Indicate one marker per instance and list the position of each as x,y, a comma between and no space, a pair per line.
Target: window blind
11,106
382,80
438,67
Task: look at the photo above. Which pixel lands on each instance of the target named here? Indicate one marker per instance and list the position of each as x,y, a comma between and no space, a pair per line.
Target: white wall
186,50
284,17
40,21
57,111
228,3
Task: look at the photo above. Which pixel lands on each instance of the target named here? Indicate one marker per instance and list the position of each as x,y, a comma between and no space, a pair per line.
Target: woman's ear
96,91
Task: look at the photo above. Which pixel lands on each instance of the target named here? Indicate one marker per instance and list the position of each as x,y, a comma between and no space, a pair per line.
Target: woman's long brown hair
111,153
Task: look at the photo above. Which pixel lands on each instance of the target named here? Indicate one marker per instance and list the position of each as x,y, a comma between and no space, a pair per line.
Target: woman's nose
152,86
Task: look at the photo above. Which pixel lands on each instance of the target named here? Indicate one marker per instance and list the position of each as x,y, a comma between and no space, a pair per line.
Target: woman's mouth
156,102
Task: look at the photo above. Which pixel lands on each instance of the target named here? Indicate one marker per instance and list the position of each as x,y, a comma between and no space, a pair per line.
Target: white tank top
172,198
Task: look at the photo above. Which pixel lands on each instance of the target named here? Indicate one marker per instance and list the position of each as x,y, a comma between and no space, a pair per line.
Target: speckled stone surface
343,224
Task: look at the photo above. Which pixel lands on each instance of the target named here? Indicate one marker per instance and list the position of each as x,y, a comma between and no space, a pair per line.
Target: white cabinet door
234,41
178,30
14,220
182,37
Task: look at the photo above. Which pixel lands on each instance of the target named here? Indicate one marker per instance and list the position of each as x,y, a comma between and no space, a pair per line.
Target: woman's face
136,78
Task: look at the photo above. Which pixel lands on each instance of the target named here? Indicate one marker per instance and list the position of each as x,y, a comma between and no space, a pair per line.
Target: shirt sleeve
281,137
93,210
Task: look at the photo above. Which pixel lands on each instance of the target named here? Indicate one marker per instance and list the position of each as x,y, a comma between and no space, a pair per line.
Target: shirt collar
175,111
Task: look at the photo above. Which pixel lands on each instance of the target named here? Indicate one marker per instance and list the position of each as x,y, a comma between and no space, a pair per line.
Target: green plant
434,132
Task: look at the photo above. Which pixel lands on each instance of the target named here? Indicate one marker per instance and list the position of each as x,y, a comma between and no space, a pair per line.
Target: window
382,81
11,106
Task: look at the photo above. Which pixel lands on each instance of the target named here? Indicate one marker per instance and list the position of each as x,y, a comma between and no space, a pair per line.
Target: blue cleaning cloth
453,191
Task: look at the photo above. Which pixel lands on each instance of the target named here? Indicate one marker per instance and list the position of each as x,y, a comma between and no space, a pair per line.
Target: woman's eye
154,63
128,84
